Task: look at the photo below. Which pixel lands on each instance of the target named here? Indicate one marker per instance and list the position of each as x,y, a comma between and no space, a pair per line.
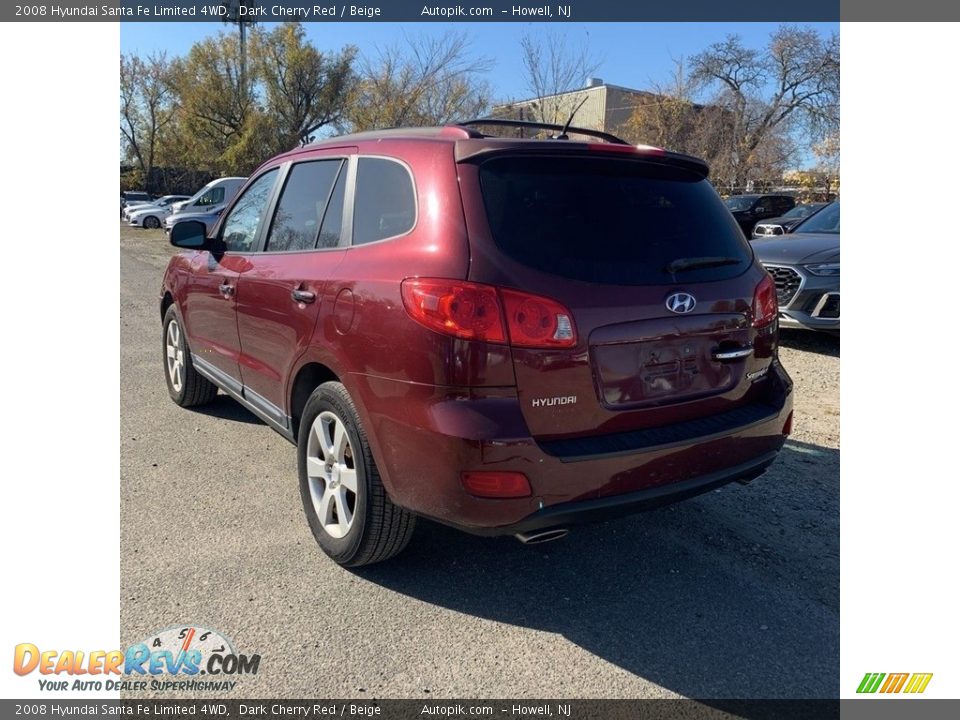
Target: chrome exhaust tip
536,537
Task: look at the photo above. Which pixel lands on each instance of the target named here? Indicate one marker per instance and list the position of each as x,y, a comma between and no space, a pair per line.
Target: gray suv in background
805,265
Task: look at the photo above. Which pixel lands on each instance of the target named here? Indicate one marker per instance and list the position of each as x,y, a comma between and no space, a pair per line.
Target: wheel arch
165,302
310,375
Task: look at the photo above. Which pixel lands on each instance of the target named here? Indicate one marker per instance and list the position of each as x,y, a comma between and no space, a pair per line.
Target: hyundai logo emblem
681,303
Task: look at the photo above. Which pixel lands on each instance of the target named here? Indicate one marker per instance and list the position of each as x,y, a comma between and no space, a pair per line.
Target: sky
636,55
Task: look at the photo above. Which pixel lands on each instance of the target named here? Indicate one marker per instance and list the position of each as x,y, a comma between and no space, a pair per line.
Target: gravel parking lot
732,594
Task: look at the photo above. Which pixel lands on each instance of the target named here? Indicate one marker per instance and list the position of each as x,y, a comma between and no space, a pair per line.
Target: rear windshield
611,221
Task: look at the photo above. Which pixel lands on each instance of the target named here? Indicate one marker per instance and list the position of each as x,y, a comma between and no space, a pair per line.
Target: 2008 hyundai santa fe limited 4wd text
504,335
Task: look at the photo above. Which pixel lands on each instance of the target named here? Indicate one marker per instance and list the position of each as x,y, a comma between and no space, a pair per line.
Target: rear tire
352,519
186,386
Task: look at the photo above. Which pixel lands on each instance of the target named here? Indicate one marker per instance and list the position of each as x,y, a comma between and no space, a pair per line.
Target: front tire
151,223
186,386
348,510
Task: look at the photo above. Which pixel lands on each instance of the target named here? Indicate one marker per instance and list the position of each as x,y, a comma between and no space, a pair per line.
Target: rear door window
384,204
333,217
610,221
303,204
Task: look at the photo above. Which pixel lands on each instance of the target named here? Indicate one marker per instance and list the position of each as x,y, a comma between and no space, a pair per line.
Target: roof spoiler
476,150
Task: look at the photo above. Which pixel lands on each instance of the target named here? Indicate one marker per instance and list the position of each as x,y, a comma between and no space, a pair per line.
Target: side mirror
189,234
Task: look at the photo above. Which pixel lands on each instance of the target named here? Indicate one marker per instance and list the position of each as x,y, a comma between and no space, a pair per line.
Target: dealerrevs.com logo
185,658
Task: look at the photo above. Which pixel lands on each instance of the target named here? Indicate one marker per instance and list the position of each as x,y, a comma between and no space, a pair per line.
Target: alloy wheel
332,474
175,355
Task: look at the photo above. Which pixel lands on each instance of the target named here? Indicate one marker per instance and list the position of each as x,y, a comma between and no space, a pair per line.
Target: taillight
462,309
765,302
788,425
476,312
535,321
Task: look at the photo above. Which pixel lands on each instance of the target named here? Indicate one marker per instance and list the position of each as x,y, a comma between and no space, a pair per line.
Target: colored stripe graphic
918,682
894,682
870,682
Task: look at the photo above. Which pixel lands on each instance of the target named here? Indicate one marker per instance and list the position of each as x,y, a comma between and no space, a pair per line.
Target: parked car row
133,196
153,213
748,210
788,221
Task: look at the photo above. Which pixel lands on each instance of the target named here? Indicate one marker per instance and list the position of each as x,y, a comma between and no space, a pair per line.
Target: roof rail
532,124
442,131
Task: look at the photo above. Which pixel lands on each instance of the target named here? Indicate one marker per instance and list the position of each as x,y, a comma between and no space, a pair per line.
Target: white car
151,215
212,196
209,219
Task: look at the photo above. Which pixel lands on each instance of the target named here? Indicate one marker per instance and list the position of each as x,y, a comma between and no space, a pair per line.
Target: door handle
226,289
725,355
304,296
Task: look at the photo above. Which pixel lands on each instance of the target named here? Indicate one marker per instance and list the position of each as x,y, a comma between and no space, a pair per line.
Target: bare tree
146,106
668,117
420,81
793,86
554,65
305,89
827,153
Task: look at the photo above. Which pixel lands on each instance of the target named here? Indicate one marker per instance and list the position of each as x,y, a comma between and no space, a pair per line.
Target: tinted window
767,204
333,218
737,204
240,227
213,196
384,204
300,211
825,221
609,221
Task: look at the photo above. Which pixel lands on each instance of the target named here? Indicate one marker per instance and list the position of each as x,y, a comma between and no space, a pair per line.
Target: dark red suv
504,335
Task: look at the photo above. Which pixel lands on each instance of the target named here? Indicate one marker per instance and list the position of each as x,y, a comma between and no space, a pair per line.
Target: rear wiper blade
696,263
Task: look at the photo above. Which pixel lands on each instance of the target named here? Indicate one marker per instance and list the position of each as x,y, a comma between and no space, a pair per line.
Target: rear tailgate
598,232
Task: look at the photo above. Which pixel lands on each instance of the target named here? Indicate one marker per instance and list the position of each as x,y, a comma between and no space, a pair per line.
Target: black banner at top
427,11
526,11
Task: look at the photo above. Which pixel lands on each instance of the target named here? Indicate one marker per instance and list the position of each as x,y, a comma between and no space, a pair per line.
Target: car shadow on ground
225,407
818,342
730,595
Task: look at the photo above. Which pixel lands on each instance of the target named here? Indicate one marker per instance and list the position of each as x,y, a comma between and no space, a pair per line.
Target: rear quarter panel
363,332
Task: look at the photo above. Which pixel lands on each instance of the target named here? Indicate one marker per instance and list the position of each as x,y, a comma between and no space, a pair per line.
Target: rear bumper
573,513
423,437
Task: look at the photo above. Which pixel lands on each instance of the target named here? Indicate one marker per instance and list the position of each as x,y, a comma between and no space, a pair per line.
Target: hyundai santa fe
505,335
